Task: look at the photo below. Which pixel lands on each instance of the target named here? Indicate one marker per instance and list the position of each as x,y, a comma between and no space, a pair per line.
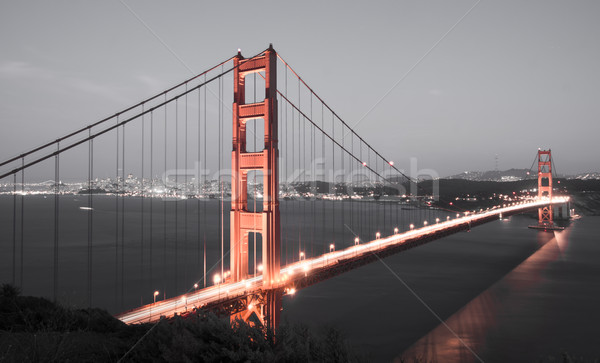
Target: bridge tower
267,222
545,187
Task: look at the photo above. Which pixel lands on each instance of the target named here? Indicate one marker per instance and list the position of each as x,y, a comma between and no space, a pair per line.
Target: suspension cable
110,128
79,131
336,115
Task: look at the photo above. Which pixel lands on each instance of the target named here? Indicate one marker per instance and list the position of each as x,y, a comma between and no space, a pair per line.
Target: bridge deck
310,271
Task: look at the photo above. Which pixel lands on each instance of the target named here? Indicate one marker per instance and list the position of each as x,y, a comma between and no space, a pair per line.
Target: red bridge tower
267,307
545,187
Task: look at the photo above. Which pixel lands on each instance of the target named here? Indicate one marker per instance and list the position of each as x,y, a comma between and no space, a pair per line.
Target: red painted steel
267,222
545,188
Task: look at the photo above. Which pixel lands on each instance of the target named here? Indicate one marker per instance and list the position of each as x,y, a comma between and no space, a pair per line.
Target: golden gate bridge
294,161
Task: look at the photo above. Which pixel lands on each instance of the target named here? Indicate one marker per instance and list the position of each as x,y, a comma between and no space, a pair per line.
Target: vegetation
35,329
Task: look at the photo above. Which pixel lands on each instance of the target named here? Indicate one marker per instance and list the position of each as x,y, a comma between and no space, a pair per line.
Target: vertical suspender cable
204,186
222,123
293,156
389,202
56,216
301,154
345,186
123,224
287,185
301,219
333,176
117,221
361,221
22,217
220,126
254,174
384,202
280,170
14,230
151,198
388,191
90,216
312,175
198,180
380,224
351,183
165,180
369,204
397,200
176,193
185,190
379,186
293,173
142,214
298,171
324,181
382,194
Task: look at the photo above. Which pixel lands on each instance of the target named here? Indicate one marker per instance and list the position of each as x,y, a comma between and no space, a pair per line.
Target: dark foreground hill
37,330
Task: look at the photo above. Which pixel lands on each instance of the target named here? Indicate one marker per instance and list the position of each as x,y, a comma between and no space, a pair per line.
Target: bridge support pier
266,306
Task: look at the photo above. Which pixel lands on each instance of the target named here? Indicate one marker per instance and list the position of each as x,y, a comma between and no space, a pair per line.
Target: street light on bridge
377,235
155,295
301,256
396,230
412,226
331,247
356,241
217,280
424,223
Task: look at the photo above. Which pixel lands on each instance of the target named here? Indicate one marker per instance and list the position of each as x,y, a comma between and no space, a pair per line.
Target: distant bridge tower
545,187
267,222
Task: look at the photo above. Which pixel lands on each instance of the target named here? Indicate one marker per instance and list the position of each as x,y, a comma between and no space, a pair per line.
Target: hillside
585,193
35,329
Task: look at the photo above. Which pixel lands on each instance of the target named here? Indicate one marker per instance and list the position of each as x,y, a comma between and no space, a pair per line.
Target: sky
449,83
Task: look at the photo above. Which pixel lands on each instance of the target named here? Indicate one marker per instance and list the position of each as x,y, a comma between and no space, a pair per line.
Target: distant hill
509,175
586,176
512,175
585,193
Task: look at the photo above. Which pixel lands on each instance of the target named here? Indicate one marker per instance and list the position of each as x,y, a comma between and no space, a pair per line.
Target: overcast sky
510,77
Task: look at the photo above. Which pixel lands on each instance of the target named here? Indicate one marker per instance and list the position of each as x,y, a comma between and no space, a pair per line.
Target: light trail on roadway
298,270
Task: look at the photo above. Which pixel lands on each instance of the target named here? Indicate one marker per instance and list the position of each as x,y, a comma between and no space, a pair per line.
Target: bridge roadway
304,273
